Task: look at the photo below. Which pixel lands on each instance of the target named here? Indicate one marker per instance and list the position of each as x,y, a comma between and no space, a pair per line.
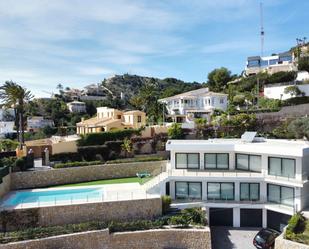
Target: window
221,101
139,119
281,195
216,161
281,167
188,190
253,63
220,191
187,161
249,191
248,162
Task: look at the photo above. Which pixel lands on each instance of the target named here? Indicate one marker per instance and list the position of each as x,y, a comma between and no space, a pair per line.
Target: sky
79,42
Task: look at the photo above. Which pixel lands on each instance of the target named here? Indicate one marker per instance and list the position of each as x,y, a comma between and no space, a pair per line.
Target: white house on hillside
7,117
186,106
241,183
76,107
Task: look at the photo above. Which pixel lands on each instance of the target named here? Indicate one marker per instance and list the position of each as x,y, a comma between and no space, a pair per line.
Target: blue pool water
55,195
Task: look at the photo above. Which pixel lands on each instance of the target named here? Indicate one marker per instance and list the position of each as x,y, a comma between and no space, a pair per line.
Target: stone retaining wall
45,178
5,185
79,213
282,243
151,239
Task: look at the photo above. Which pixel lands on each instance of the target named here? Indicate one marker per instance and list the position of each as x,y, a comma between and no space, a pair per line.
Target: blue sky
77,42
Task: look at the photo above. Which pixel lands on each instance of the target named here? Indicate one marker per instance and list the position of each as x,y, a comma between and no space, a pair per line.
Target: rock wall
151,239
45,178
79,213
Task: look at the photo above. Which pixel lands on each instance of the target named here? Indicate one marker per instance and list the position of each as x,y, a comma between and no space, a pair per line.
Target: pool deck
111,192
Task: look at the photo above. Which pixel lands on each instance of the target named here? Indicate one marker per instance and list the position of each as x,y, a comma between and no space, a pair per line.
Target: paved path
233,238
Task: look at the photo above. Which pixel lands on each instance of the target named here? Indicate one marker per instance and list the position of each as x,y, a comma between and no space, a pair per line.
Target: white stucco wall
277,92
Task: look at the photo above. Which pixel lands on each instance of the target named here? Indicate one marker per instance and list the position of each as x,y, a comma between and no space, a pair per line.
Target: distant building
276,91
186,106
76,107
7,121
109,119
271,64
36,123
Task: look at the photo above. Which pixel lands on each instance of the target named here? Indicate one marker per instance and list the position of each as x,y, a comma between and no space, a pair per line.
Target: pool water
54,196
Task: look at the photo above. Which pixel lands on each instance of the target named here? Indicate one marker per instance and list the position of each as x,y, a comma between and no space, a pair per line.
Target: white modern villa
184,107
244,182
271,64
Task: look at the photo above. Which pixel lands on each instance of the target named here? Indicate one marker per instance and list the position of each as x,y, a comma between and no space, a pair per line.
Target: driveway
232,238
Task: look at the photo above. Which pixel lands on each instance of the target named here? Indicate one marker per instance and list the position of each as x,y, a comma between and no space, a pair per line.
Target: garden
298,229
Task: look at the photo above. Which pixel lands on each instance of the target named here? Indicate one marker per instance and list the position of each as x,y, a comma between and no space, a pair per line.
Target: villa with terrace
184,107
244,182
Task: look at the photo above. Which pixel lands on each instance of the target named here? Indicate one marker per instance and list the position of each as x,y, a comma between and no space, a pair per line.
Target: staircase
153,186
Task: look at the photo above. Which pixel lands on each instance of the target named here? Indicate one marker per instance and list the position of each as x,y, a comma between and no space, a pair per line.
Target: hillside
130,85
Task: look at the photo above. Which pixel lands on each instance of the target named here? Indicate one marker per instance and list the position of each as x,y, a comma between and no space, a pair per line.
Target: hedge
43,232
76,164
101,138
136,159
296,101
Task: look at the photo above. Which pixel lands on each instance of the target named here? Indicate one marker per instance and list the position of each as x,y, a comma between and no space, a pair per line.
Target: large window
249,191
188,190
220,191
187,161
281,167
279,194
216,161
248,162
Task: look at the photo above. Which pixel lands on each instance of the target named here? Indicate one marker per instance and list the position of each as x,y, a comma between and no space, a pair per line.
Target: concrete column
297,199
236,217
204,190
263,191
201,161
172,190
264,218
232,161
237,191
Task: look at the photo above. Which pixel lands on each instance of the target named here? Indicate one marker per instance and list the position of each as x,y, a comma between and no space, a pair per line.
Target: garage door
221,217
250,217
277,220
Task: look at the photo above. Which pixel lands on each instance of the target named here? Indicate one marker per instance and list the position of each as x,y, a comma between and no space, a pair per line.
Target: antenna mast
262,29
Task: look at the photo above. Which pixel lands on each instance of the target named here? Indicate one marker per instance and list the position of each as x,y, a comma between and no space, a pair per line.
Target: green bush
180,220
135,225
90,153
136,159
76,164
101,138
66,157
296,101
175,131
196,215
21,163
296,223
281,77
166,203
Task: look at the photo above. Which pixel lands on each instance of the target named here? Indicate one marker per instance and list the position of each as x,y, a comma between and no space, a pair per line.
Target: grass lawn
109,181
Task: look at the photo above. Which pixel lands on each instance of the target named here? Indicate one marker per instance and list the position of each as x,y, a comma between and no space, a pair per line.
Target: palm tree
14,95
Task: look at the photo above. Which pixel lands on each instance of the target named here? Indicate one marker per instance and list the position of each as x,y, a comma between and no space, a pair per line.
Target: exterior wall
132,119
158,239
104,112
150,131
127,210
277,92
281,243
64,147
5,185
44,178
6,127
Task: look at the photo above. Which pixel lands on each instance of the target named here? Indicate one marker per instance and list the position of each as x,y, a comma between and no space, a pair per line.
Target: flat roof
261,146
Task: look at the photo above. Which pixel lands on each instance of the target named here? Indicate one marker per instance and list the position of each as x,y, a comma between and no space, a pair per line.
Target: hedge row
136,159
101,138
76,164
194,216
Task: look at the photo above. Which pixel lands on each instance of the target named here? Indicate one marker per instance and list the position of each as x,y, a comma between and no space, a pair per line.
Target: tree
8,145
127,146
218,79
14,95
293,91
175,131
299,128
200,124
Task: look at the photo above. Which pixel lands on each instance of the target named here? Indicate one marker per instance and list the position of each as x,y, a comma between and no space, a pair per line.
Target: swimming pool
42,197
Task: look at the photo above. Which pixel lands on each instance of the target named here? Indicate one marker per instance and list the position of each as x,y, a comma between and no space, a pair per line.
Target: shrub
180,220
281,77
296,223
136,159
101,138
175,131
296,101
76,164
21,163
66,157
196,215
90,153
166,203
135,225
